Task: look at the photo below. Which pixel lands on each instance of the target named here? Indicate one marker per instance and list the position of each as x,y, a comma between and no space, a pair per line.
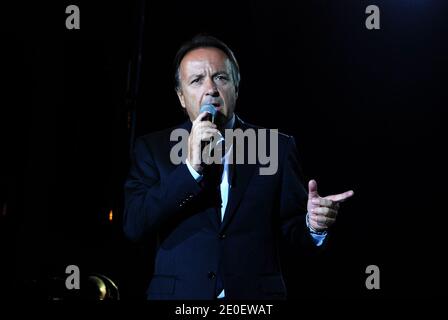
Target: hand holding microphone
203,129
211,112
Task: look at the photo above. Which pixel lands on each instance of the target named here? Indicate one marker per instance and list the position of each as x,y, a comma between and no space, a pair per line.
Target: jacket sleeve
293,200
151,201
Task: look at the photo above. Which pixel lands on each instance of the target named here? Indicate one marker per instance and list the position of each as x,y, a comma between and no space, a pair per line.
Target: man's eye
194,81
221,77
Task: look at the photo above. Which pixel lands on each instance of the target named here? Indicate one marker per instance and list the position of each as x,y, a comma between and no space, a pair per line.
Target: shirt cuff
318,237
197,176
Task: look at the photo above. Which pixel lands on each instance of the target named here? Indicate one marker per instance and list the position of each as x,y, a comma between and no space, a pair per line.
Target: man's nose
211,88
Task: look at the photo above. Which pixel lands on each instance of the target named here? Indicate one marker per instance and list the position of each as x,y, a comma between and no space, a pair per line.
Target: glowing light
111,215
4,209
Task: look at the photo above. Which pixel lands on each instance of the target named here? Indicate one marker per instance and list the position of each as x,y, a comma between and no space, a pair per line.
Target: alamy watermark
73,279
373,20
373,280
73,20
261,145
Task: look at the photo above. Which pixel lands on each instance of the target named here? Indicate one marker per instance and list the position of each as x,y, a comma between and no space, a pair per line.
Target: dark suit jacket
194,246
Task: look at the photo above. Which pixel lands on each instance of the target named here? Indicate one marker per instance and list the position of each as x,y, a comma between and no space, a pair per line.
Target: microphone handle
210,118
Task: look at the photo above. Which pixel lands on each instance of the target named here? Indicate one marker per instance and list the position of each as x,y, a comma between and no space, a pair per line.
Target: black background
367,110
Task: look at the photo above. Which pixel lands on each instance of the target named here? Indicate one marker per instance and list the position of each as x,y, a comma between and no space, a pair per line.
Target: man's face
206,78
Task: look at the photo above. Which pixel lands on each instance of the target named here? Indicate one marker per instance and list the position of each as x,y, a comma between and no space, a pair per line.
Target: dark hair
205,41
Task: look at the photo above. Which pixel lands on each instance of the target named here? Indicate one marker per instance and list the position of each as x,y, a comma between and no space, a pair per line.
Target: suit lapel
240,177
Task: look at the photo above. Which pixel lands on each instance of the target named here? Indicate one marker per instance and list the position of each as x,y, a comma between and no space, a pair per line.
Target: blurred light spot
4,209
111,215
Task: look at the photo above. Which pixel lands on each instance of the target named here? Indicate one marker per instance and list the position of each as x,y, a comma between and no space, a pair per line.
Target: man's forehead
205,57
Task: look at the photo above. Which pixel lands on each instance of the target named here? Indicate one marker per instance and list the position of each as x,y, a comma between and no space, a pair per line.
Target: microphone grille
208,108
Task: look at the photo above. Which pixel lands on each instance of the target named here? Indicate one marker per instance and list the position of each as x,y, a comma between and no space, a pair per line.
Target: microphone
211,110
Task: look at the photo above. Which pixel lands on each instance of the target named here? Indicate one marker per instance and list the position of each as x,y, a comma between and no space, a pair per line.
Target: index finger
341,197
201,116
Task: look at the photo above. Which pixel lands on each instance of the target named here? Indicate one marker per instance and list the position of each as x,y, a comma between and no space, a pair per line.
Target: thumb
312,189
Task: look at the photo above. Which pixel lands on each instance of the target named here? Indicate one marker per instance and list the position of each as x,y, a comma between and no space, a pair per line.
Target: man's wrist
196,175
312,230
192,164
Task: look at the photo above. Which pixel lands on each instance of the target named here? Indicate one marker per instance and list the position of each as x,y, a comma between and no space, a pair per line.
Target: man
218,238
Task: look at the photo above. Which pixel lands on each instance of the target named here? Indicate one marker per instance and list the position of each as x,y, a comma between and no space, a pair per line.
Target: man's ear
181,97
